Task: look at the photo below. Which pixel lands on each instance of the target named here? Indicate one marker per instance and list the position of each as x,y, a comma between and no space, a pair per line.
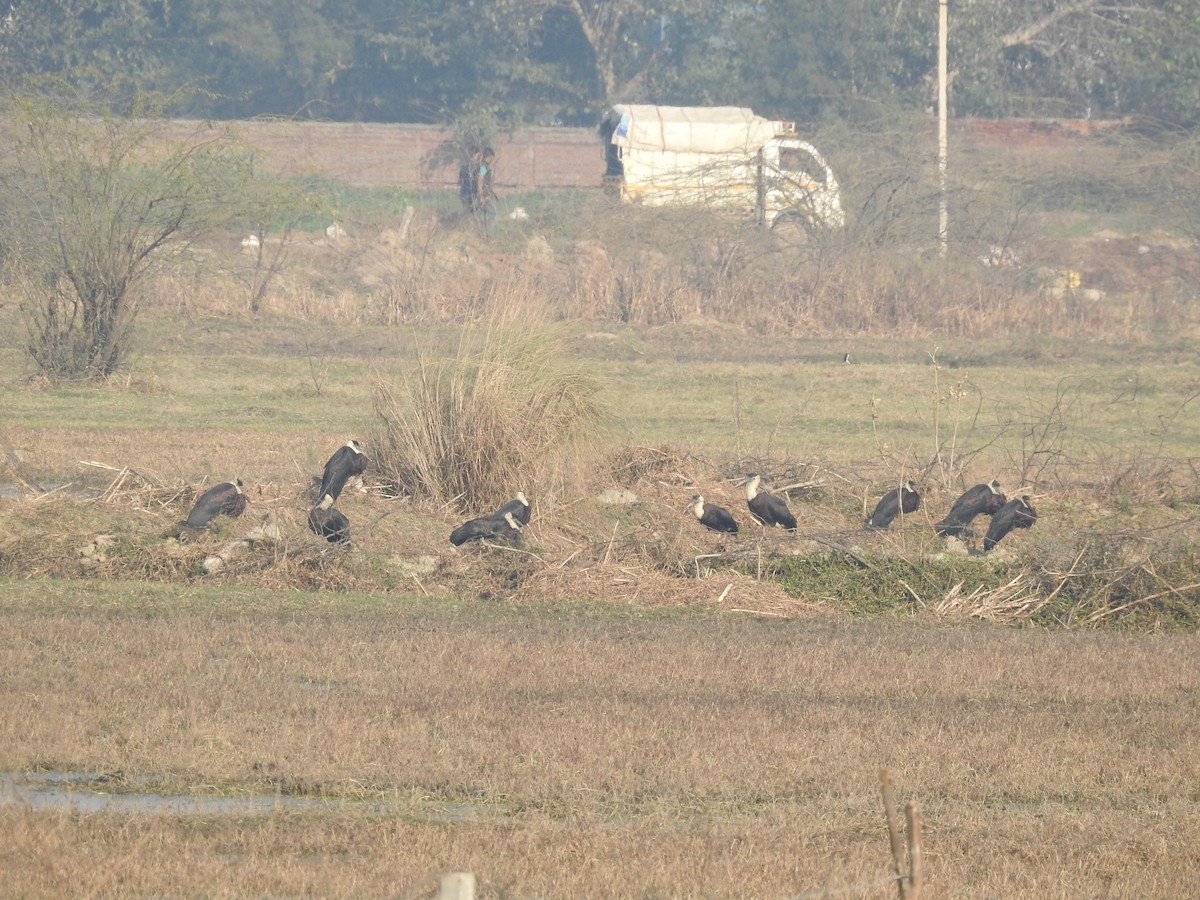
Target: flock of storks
324,519
983,499
505,524
327,521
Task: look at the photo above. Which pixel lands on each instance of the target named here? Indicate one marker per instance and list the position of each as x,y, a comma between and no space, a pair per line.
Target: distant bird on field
904,498
713,517
983,499
222,499
330,524
346,462
767,508
519,507
846,359
495,527
1017,513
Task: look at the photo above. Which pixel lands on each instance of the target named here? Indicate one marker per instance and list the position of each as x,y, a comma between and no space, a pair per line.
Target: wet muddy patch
91,792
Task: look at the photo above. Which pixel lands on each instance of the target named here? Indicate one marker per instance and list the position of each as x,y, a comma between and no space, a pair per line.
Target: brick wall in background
421,156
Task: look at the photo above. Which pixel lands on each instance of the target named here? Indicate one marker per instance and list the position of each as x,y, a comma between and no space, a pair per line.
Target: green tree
808,58
101,199
115,43
622,41
532,60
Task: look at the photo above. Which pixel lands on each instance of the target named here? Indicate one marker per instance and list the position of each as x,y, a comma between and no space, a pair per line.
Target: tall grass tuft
507,410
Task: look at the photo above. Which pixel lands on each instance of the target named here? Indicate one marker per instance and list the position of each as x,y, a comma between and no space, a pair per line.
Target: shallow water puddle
80,792
15,490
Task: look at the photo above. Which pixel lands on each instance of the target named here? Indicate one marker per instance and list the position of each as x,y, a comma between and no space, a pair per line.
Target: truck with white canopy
721,156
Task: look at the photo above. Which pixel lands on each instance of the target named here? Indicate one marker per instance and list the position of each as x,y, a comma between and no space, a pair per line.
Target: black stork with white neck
329,523
713,517
902,499
347,462
495,527
226,498
519,507
1017,513
983,499
766,508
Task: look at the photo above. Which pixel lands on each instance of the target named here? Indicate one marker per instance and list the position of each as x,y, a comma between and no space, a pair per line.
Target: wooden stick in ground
916,865
457,886
893,824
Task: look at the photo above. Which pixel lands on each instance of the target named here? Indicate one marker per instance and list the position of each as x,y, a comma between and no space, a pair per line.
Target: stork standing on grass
1017,513
519,507
902,499
767,508
496,527
225,498
983,499
713,517
347,461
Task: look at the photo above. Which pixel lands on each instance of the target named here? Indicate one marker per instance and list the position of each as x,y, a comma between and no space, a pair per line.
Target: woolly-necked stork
904,498
983,499
330,524
713,517
494,527
225,498
519,507
1017,513
767,508
347,461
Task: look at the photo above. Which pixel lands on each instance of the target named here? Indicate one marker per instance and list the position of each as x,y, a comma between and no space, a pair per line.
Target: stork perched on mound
347,461
713,517
504,524
985,499
1017,513
904,498
519,507
495,527
767,508
225,498
329,523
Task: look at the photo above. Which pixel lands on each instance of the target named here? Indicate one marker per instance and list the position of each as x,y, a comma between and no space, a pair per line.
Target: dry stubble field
588,718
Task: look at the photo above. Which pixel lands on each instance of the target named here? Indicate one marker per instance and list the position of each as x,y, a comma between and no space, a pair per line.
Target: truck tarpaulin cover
720,129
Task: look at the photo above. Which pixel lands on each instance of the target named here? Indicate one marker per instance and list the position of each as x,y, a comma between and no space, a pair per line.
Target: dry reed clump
423,274
509,409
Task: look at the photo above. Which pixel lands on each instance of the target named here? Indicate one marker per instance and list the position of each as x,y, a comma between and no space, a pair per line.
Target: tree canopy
564,60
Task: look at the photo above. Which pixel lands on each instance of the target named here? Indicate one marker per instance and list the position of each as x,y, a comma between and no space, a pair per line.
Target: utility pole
943,142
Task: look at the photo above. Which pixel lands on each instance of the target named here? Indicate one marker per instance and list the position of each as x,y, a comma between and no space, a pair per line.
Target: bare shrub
420,278
507,410
104,200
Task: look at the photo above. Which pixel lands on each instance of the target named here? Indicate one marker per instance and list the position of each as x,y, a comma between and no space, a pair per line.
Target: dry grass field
625,705
576,750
